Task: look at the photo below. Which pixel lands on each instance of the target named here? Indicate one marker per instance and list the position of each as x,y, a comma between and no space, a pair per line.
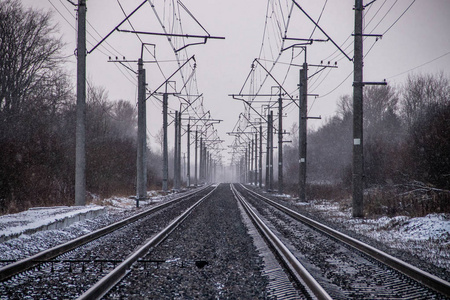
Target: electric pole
196,163
268,154
141,185
175,157
280,144
200,171
302,130
165,150
179,150
188,173
80,147
271,152
260,154
251,149
256,160
358,160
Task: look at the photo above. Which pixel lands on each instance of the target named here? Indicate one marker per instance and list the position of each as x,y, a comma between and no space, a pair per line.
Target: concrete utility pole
80,147
303,114
205,155
280,145
251,148
176,185
246,165
200,171
188,173
165,149
141,185
196,155
268,154
260,155
179,150
255,178
271,152
358,160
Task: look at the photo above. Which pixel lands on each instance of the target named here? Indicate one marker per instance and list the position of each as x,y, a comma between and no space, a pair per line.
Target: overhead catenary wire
419,66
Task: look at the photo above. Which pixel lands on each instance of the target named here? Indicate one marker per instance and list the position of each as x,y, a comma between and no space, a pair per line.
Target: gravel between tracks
402,254
210,256
67,281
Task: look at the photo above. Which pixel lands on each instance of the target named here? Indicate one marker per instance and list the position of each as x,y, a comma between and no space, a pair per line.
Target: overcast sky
252,29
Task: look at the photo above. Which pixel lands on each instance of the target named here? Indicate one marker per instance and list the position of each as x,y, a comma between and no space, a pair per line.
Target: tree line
38,118
406,133
406,147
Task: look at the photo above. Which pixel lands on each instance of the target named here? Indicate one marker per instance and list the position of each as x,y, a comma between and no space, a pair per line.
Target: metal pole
165,146
251,161
260,155
205,155
280,145
175,155
179,151
201,160
246,165
195,165
209,166
188,155
141,189
302,131
256,161
80,147
358,160
268,154
271,152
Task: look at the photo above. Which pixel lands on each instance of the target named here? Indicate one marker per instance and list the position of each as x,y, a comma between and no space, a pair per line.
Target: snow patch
426,237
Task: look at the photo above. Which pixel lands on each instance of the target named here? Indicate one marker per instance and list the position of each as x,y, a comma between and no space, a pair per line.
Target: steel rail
22,265
427,279
104,285
293,265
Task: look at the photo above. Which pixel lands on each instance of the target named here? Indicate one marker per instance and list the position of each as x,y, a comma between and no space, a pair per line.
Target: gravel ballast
210,256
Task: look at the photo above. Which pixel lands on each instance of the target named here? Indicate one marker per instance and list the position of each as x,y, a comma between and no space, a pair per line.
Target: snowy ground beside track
425,237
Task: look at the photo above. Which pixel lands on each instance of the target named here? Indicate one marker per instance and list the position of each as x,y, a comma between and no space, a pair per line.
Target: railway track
344,266
209,256
104,285
82,259
308,286
202,249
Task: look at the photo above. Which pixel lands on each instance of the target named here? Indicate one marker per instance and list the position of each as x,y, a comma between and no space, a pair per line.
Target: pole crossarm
172,34
170,77
117,27
369,83
280,85
239,132
320,66
249,104
323,31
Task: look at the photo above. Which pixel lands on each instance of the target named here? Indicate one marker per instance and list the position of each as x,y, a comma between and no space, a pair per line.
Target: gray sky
417,38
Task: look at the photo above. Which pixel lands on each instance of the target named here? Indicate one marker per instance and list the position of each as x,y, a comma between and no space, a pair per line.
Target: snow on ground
39,217
426,237
27,243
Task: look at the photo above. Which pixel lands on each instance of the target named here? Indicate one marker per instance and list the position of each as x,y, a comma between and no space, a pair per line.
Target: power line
419,66
388,11
399,17
71,25
318,20
336,86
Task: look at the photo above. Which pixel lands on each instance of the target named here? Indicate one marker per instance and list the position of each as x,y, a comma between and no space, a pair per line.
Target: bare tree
160,139
420,91
29,55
